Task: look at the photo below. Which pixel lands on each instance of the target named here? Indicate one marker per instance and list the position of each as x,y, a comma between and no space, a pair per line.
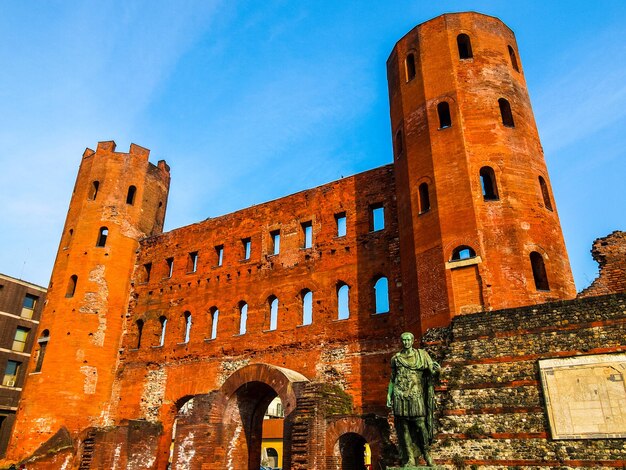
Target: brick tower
478,223
118,199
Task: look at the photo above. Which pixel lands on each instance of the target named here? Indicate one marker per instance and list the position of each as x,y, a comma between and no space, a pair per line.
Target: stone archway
224,429
344,439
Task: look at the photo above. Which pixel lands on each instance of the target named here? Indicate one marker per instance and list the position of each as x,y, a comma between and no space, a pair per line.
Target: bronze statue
412,398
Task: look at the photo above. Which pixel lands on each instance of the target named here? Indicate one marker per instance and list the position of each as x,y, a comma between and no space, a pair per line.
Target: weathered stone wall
610,253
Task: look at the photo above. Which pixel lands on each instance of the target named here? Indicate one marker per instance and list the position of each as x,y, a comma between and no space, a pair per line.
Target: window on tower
539,271
71,286
506,113
545,193
462,252
513,59
130,197
443,110
465,46
102,237
409,65
93,190
488,184
424,198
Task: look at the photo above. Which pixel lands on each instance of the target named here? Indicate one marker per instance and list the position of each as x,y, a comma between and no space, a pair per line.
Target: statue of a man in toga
411,396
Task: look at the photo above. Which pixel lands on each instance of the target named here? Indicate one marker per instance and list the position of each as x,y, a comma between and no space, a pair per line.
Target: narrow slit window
462,252
43,343
71,286
102,237
187,319
193,262
465,46
307,307
343,301
506,113
443,110
219,251
214,314
147,269
513,59
377,217
247,247
381,295
424,198
307,234
93,190
68,239
139,325
170,266
399,143
130,196
539,271
488,184
275,239
545,193
273,304
163,322
409,65
340,219
243,317
19,340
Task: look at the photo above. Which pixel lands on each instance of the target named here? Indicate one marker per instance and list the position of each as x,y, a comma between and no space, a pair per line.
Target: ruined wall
492,408
610,253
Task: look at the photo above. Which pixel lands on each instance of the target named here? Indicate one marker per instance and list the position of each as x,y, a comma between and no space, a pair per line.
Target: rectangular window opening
341,224
10,373
275,239
307,232
28,307
193,262
247,247
170,266
219,251
147,269
377,217
19,341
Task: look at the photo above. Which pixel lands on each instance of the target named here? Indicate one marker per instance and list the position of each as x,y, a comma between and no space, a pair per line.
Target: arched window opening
462,252
399,143
68,239
343,301
307,307
43,343
539,271
513,59
409,65
243,317
102,237
71,286
424,198
381,295
93,190
273,304
130,197
443,110
187,318
163,322
506,113
488,184
545,193
139,324
214,315
465,46
353,451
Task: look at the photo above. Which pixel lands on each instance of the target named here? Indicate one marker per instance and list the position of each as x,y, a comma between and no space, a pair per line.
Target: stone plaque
585,396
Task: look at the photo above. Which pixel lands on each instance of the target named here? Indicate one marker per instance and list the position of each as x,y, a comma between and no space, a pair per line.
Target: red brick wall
610,253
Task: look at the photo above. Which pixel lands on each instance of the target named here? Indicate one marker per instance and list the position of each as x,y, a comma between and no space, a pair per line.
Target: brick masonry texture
171,334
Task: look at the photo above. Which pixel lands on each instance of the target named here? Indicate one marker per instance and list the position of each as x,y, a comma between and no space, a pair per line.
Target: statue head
407,339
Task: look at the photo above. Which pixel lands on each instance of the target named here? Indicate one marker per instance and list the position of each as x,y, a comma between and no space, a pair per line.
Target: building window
307,234
68,239
187,318
409,65
443,110
307,306
139,325
243,317
462,252
163,322
93,190
506,113
28,307
377,217
193,262
488,184
275,239
343,301
424,198
102,237
539,271
513,59
399,143
381,295
19,341
170,266
214,315
545,193
10,373
43,344
71,286
147,269
340,219
465,46
130,196
247,247
219,251
273,304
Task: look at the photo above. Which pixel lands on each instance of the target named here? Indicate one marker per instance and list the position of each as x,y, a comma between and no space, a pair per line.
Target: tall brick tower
118,199
478,223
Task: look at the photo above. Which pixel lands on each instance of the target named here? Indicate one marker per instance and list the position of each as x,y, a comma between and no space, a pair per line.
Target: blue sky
250,101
